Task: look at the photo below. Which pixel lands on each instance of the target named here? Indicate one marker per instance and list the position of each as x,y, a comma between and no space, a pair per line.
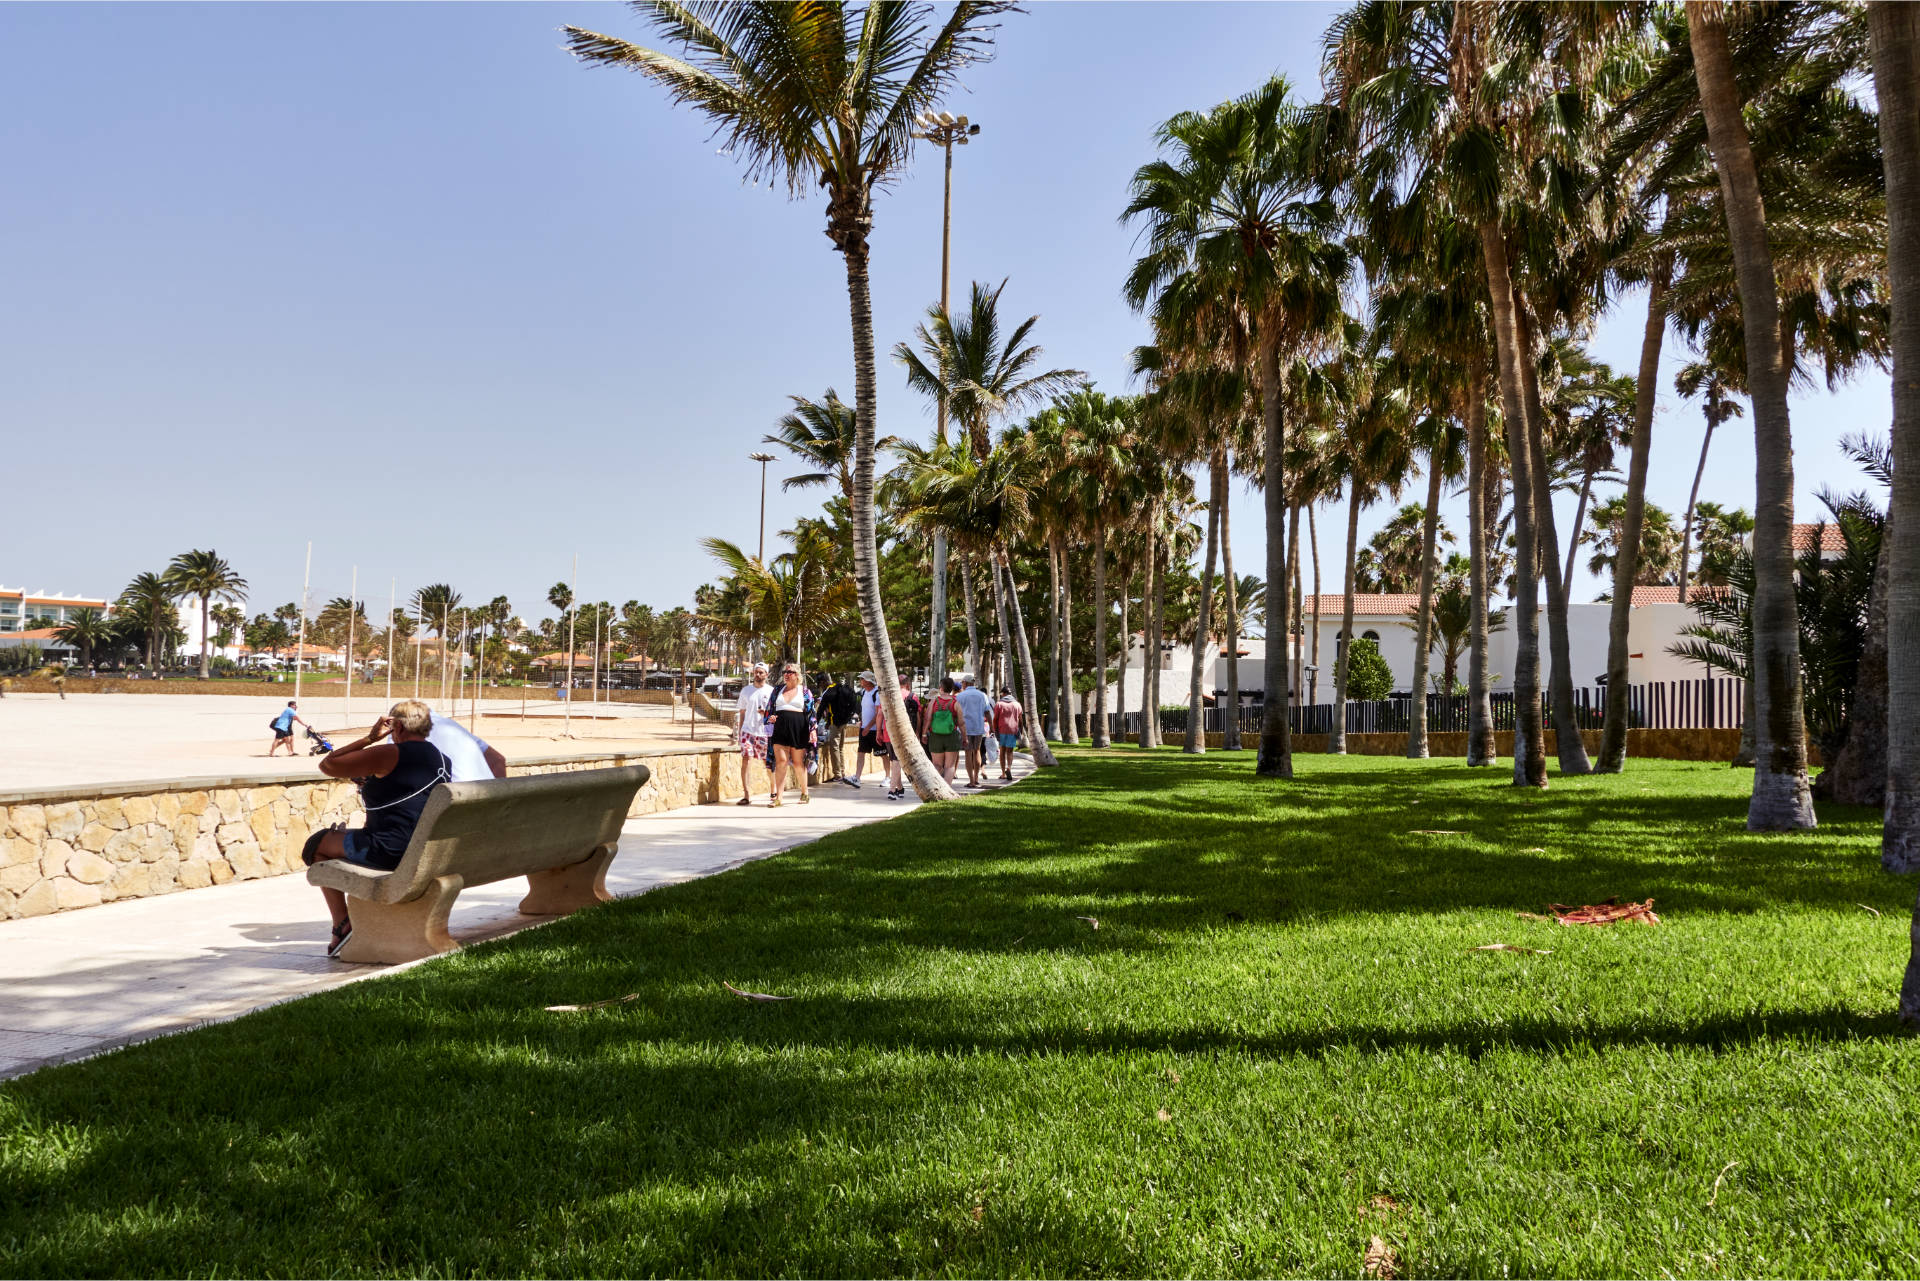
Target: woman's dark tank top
393,803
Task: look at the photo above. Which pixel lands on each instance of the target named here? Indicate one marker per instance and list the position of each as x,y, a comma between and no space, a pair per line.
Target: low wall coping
213,782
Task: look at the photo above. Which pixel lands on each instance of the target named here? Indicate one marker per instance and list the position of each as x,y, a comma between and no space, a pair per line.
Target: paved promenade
78,983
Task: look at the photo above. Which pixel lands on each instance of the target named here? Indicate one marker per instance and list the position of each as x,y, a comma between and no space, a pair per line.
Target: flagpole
353,608
393,587
300,648
573,614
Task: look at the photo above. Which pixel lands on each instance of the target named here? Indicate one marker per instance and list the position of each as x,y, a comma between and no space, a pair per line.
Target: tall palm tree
86,630
1714,386
204,576
821,435
1237,210
822,96
1782,800
1103,435
151,600
435,604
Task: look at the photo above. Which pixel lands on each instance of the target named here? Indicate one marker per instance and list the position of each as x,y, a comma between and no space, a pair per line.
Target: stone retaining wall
69,848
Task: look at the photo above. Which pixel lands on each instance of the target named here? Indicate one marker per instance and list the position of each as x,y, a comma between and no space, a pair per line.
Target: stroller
317,743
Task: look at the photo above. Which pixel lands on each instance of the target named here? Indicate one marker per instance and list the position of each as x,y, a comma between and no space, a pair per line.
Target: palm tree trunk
1895,32
973,625
1480,740
1294,639
1042,754
1573,538
1069,727
937,625
1781,799
1126,640
1626,564
1423,623
1051,721
1203,623
1231,741
1156,609
205,603
1571,748
1097,723
1693,500
1857,775
1529,737
1276,733
1007,680
1313,544
849,219
1337,740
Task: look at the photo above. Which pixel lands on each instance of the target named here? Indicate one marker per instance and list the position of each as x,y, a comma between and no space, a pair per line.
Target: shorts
870,742
976,742
1009,741
753,747
361,852
954,742
280,734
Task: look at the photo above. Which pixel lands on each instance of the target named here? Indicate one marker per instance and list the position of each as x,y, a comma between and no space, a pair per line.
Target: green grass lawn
1275,1047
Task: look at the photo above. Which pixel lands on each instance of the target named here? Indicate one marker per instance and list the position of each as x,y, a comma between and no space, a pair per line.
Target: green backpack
942,720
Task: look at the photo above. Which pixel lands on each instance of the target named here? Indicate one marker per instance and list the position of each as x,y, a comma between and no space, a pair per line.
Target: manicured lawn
1276,1046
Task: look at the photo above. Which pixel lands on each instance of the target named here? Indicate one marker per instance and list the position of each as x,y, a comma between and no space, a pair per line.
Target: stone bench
560,831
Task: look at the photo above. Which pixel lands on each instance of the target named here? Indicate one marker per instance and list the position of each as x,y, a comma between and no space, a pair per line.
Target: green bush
1368,676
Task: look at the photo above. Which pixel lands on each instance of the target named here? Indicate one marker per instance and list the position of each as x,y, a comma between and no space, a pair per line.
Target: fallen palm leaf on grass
1433,831
1608,913
752,996
1380,1261
594,1005
1875,911
1093,921
1511,947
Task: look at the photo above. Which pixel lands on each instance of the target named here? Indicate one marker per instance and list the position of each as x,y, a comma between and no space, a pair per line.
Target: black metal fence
1715,703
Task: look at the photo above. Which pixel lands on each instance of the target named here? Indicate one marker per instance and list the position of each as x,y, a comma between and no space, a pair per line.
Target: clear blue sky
405,280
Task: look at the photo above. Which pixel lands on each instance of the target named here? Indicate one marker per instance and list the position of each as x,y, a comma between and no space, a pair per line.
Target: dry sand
97,738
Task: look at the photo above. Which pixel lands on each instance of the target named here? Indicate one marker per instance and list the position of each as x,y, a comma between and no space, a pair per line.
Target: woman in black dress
395,779
790,720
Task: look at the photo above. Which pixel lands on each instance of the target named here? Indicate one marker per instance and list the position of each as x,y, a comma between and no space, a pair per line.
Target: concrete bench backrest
506,827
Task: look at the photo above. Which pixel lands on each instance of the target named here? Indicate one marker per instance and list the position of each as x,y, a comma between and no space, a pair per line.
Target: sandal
744,800
341,933
805,799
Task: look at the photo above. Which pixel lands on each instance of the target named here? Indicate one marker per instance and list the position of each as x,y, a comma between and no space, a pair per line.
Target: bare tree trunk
1571,748
1693,501
1573,539
1313,665
1781,799
1626,564
1097,723
1337,740
1276,733
1042,754
849,221
1480,740
1423,623
1529,737
1895,31
1203,622
1231,741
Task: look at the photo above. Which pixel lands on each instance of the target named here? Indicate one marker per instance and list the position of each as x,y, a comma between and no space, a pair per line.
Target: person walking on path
974,709
283,728
750,727
896,787
870,720
942,729
789,734
839,706
1007,715
394,781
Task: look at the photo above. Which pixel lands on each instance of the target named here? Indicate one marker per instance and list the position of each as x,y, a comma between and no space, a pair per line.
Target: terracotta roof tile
1377,605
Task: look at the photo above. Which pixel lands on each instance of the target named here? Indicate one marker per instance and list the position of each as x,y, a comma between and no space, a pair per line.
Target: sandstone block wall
83,847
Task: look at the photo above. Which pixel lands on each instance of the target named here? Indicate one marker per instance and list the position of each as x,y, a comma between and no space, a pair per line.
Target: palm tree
1712,384
1237,212
204,576
821,435
435,604
1782,800
822,96
85,629
1895,31
150,599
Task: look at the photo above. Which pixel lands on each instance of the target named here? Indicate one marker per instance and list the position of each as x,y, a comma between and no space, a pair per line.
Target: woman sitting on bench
394,781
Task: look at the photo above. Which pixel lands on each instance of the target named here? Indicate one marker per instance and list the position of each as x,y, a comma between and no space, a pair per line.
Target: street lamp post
761,555
944,130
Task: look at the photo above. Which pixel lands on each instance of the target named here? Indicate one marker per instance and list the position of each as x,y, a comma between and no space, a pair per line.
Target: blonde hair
411,715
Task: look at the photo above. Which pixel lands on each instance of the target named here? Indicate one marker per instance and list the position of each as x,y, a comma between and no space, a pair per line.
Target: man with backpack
282,726
839,708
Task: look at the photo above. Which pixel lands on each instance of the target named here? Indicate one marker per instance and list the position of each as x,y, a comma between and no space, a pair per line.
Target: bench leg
389,933
560,890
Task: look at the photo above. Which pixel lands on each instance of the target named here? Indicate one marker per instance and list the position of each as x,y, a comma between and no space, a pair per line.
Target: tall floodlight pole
573,613
300,646
353,607
393,590
761,554
944,130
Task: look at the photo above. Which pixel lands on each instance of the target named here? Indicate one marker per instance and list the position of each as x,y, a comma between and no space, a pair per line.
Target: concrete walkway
79,983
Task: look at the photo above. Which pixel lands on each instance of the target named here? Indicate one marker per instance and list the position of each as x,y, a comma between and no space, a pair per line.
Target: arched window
1370,634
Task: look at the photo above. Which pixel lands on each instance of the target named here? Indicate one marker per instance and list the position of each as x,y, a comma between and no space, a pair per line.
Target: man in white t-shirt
869,727
469,757
750,727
